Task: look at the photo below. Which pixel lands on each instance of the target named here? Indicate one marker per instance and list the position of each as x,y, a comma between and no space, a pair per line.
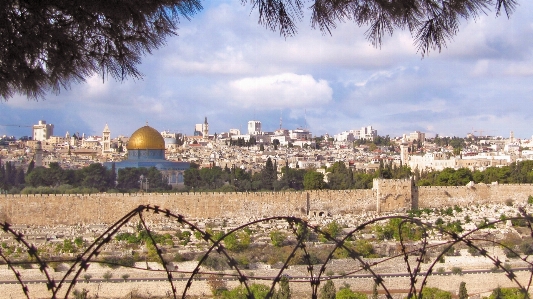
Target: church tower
404,152
106,140
205,133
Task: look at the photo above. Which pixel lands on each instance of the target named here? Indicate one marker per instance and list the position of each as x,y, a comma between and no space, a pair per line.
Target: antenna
280,118
305,119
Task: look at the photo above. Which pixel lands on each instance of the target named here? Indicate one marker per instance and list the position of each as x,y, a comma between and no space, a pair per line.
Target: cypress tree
19,177
284,291
10,175
31,166
268,175
328,291
463,293
2,175
375,291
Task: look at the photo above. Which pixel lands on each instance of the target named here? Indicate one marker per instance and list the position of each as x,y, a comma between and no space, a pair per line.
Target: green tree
212,178
435,293
363,180
284,291
328,291
55,173
291,179
19,177
39,177
396,227
463,293
314,180
268,175
259,291
191,178
508,293
346,293
73,40
107,276
339,177
31,166
333,229
365,249
128,178
275,142
96,176
237,242
277,237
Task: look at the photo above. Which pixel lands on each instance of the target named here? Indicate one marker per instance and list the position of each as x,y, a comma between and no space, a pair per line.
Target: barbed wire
300,228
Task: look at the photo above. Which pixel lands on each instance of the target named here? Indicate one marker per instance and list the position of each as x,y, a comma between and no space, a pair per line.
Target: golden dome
146,138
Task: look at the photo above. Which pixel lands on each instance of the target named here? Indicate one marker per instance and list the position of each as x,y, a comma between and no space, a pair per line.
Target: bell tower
205,133
106,140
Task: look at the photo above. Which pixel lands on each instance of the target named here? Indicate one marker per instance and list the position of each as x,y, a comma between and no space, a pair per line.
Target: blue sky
224,66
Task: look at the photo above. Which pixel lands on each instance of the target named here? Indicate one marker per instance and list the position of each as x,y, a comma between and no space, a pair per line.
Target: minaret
106,140
38,157
404,152
206,129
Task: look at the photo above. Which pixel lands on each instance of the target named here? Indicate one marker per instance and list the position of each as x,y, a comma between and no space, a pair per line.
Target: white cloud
279,91
224,65
520,70
225,61
481,68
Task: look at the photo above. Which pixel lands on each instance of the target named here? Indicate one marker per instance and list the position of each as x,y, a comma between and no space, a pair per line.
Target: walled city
386,196
52,218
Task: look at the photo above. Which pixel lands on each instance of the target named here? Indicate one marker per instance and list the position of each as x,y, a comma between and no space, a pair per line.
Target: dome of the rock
146,138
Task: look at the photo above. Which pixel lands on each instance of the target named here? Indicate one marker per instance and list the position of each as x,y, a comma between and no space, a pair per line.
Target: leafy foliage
314,180
328,291
508,293
333,229
54,42
347,293
277,237
463,293
284,291
396,227
435,293
259,291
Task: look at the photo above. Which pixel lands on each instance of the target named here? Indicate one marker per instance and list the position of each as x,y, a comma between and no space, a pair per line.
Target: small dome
171,141
146,138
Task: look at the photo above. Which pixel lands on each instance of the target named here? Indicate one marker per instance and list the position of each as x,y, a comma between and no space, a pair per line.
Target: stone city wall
386,196
69,209
436,197
393,195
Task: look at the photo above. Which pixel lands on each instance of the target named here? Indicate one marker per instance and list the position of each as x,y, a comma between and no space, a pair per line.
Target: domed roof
146,138
170,140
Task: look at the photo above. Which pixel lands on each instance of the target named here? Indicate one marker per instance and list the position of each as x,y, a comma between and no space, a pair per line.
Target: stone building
146,148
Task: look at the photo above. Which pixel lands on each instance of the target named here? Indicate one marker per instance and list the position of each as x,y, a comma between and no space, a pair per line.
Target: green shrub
216,263
107,276
457,270
346,293
473,251
277,237
508,293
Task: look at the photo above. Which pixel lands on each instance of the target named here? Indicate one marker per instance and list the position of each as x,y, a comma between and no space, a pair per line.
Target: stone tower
38,158
205,133
106,140
404,152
